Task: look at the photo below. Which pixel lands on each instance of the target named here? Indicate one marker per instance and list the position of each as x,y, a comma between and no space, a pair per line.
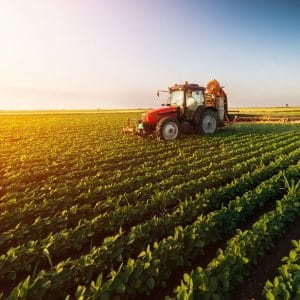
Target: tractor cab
188,98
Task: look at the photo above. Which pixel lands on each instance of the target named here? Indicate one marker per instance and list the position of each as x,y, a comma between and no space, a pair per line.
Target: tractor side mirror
157,94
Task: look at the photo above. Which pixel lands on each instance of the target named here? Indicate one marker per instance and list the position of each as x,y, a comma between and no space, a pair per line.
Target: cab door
194,100
199,97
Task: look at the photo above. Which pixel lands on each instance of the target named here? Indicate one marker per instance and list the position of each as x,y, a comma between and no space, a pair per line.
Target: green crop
88,213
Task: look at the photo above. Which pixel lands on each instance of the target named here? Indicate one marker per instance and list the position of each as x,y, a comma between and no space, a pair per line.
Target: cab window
198,96
177,98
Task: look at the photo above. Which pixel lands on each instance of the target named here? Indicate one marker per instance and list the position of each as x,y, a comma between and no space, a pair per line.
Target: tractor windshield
177,98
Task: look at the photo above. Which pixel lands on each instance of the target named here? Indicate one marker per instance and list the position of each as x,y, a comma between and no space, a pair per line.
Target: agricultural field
270,111
88,213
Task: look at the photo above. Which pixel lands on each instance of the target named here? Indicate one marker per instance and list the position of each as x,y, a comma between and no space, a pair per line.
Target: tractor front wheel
208,122
168,129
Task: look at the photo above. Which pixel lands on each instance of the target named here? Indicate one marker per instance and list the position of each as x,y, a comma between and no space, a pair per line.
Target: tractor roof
186,86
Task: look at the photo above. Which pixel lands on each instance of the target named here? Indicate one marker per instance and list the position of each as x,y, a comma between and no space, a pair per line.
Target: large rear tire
168,129
208,122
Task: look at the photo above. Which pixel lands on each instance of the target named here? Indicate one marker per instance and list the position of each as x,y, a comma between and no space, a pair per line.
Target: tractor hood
154,115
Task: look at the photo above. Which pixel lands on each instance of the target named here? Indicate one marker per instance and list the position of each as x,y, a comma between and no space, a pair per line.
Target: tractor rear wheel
168,129
208,122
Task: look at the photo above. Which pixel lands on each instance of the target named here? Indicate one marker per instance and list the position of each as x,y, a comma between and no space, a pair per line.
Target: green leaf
293,254
142,254
99,281
147,265
46,285
245,260
296,244
276,282
121,288
117,253
216,297
239,278
80,292
137,284
186,277
155,245
47,254
138,270
150,283
213,284
199,243
270,296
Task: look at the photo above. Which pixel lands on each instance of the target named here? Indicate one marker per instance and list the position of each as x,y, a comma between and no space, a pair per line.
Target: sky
87,54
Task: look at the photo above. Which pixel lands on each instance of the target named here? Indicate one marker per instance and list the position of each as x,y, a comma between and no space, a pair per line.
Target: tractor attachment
136,129
253,118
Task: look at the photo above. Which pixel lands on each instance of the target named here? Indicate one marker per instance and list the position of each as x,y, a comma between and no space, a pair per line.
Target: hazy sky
117,53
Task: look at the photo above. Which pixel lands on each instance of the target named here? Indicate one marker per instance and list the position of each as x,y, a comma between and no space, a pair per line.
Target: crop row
25,256
28,175
153,267
286,284
113,175
100,186
232,266
68,218
65,219
146,157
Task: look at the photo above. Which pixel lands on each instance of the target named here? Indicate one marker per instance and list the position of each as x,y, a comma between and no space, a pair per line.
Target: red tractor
190,108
